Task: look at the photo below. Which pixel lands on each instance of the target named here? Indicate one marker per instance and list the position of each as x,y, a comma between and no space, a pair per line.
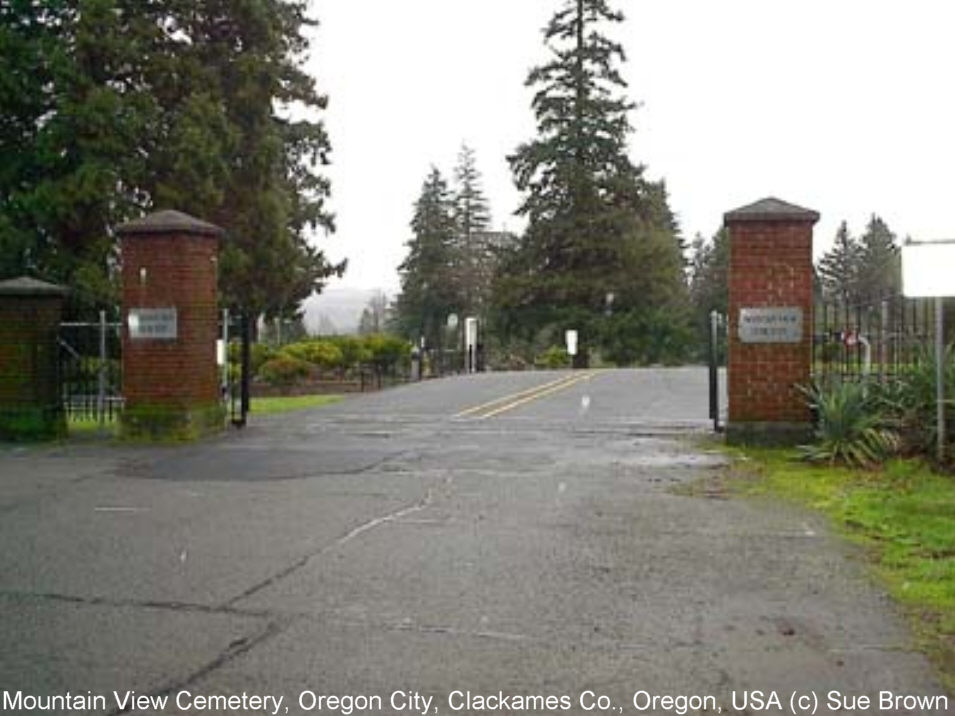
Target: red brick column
770,322
31,407
170,327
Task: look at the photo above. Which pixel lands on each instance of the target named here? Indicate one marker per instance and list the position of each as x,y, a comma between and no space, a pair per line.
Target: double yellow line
514,400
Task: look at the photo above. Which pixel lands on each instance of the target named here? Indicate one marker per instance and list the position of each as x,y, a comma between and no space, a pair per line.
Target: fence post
101,378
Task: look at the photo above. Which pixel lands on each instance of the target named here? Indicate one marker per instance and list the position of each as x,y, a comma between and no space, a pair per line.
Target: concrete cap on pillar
27,286
169,221
771,209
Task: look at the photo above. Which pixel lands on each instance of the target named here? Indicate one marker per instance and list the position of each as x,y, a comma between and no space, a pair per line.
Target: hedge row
344,355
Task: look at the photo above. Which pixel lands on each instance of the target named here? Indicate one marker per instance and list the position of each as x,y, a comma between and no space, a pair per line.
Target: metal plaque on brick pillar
770,311
770,325
153,323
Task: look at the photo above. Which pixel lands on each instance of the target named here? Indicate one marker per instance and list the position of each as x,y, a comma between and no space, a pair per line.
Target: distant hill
337,309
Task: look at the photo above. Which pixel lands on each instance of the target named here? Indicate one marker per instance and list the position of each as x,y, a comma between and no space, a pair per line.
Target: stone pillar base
167,423
768,434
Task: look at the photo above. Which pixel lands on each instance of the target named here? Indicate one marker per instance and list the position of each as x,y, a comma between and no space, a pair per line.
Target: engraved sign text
156,323
770,325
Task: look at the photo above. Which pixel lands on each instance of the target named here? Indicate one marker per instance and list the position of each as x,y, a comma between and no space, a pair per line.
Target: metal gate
90,370
235,362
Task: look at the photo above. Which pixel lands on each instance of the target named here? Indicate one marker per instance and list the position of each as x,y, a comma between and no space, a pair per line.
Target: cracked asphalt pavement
390,543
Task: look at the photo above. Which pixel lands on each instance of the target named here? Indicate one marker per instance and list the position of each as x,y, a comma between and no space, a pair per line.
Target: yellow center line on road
513,396
519,399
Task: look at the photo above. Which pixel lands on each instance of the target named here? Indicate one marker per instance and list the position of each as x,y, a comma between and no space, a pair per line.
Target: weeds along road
461,540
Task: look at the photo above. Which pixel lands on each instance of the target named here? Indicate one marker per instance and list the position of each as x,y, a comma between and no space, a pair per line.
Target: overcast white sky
843,106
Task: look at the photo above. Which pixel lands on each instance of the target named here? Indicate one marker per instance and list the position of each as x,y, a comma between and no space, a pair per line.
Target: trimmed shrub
353,349
324,354
553,358
387,352
260,353
284,370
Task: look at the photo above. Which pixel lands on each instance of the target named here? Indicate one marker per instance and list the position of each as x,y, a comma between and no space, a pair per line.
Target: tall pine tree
596,227
880,266
472,217
839,268
709,276
247,56
428,292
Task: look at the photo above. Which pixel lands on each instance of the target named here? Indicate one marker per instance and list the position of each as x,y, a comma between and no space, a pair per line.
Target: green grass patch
86,429
90,428
271,406
904,518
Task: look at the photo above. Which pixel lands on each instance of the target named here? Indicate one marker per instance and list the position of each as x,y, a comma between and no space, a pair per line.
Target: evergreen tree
596,227
247,56
472,217
709,275
117,107
428,292
77,112
839,268
709,284
880,265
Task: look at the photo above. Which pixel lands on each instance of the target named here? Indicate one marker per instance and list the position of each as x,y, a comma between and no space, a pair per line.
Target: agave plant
850,429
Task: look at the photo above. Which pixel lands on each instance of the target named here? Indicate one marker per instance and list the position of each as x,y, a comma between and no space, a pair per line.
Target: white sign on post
470,343
571,338
927,272
928,269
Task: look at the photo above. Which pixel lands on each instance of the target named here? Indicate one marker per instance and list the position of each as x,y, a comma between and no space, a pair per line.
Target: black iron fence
879,339
90,370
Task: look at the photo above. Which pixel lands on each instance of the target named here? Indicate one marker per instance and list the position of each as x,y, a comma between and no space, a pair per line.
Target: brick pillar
170,327
31,407
770,322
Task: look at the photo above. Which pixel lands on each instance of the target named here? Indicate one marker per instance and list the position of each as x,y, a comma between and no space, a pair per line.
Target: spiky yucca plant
850,428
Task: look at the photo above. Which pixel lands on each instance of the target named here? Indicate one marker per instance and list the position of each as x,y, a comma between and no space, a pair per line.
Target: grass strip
272,406
91,429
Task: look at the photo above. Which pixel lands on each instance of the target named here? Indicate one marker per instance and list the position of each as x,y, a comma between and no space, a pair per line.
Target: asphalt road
430,541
